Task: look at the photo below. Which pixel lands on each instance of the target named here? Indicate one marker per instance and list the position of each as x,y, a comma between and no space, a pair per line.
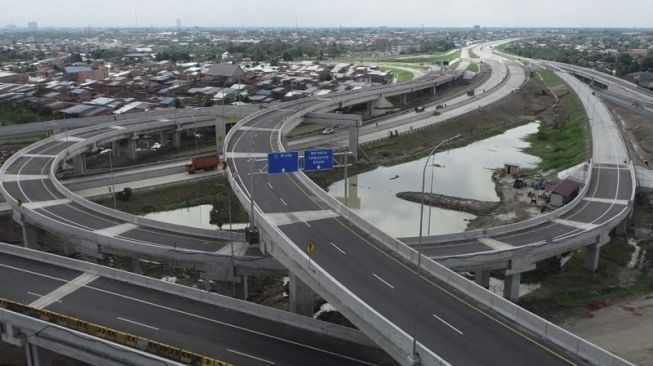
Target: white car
328,131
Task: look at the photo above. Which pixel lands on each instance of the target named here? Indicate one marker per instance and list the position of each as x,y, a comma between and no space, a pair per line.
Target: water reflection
465,172
196,216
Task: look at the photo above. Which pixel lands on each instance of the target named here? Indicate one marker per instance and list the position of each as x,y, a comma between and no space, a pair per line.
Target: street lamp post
421,224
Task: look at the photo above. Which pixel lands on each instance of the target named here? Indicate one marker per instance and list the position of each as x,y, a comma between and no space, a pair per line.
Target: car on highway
328,131
419,108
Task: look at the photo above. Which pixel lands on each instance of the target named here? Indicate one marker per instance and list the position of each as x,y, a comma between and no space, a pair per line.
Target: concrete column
163,138
131,148
176,139
79,164
592,253
621,229
402,99
301,297
434,91
136,266
245,287
353,141
29,236
220,133
115,149
511,286
37,356
483,278
370,109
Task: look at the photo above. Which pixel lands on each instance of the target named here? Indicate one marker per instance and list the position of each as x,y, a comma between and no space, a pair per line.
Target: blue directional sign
318,160
283,162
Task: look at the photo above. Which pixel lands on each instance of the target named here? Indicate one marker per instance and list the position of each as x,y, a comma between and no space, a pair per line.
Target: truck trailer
206,162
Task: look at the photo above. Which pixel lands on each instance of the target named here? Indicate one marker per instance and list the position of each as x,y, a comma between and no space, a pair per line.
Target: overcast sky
330,13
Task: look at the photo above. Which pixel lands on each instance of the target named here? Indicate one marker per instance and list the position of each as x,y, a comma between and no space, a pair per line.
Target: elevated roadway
214,326
450,315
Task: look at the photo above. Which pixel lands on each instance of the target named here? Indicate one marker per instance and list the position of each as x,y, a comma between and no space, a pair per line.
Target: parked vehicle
439,106
206,162
328,131
419,108
470,92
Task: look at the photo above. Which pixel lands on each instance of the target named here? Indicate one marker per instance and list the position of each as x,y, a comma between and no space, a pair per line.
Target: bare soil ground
625,328
637,131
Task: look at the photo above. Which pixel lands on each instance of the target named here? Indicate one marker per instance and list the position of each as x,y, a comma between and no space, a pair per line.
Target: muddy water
195,216
465,172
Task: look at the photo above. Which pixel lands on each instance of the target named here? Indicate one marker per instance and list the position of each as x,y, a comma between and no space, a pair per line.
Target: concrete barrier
260,311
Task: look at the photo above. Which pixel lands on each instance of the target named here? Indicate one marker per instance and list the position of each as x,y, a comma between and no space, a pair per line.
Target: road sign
310,248
318,160
283,162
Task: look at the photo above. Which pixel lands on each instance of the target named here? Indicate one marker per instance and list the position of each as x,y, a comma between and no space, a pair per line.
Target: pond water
196,216
464,172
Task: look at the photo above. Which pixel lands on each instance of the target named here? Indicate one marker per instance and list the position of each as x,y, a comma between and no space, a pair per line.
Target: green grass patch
561,148
17,113
204,192
430,58
575,286
549,78
400,75
473,67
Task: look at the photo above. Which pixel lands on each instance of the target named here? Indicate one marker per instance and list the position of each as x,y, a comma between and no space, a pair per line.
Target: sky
329,13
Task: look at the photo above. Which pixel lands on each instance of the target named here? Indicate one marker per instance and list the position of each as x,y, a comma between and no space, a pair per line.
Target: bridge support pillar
163,138
592,253
79,164
37,356
115,149
621,229
301,297
353,141
370,110
30,239
403,99
245,287
136,266
176,139
220,133
511,286
483,278
434,91
131,148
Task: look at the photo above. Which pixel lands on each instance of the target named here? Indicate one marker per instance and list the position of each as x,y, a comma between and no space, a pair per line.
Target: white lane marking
270,185
307,224
118,127
447,324
606,200
284,202
14,177
287,218
585,226
495,244
38,156
67,289
250,356
39,295
69,138
382,280
259,129
137,323
335,246
35,205
113,231
182,312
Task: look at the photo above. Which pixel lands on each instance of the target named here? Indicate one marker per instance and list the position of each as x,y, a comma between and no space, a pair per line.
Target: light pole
433,166
231,240
421,223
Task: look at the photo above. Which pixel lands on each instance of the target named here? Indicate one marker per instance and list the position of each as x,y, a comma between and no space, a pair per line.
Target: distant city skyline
331,13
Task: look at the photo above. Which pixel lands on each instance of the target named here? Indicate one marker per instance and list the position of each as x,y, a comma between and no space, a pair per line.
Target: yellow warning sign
310,248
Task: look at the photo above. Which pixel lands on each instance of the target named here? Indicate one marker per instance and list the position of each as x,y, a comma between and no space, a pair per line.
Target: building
643,79
563,192
178,23
83,73
228,71
32,25
12,77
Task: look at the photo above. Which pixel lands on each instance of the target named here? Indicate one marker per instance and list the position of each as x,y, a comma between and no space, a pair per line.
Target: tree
325,75
75,57
179,103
